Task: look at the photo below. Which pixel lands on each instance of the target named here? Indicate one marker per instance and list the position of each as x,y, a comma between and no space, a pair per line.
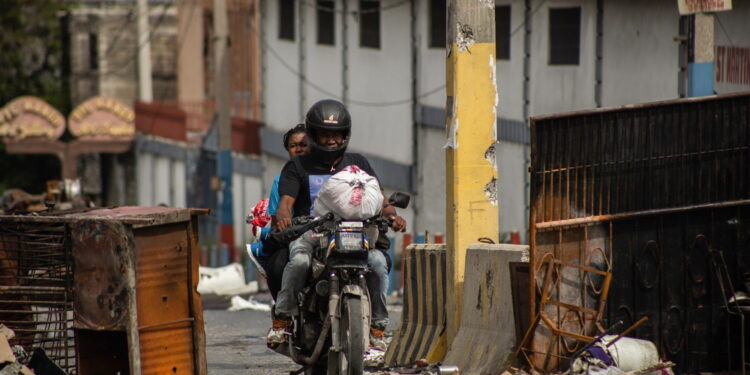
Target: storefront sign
30,117
102,118
697,6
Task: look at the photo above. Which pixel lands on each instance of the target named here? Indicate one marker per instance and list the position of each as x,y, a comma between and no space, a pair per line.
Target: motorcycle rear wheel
351,357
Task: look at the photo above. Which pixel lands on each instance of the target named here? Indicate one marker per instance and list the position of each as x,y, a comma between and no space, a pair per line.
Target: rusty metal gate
36,289
658,194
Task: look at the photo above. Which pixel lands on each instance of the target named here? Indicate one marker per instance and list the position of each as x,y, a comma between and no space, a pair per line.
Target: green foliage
31,57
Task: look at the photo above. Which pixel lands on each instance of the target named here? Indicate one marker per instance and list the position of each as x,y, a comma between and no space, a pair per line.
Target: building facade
386,60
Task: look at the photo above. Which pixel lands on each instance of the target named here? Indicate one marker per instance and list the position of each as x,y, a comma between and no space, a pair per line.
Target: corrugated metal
163,301
652,192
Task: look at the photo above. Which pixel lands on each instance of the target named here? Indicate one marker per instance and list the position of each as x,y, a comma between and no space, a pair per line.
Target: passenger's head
295,141
328,125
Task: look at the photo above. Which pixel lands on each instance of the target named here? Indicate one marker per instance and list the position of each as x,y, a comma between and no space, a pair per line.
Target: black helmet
328,114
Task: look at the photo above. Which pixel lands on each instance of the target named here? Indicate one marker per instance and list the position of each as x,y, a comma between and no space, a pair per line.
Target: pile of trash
224,287
616,355
15,361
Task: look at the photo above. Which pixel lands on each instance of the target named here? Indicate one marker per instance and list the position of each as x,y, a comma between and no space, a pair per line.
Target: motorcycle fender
356,290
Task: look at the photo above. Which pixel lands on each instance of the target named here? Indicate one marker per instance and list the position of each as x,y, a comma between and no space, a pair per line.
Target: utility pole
471,175
701,55
145,90
223,125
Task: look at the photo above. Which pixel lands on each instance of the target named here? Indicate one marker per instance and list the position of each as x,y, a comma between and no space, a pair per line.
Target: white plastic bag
350,194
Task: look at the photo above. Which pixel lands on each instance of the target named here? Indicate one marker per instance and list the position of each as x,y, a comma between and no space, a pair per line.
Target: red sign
697,6
30,117
102,119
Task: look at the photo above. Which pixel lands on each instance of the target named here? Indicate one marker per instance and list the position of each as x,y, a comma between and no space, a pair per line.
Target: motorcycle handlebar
293,232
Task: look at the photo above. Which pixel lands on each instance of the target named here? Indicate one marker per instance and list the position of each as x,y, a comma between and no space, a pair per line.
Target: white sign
697,6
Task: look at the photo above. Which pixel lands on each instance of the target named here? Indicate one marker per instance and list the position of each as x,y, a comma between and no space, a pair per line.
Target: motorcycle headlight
349,241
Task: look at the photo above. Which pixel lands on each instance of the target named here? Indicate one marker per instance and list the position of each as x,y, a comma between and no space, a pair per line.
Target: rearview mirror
399,200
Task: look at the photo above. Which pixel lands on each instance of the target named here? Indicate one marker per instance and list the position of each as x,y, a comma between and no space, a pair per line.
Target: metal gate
658,194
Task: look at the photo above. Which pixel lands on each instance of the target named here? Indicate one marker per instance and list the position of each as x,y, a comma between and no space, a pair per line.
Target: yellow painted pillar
471,174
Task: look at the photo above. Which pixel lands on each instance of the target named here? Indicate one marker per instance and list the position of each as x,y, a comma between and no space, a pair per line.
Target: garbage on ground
374,358
238,303
616,355
228,280
12,359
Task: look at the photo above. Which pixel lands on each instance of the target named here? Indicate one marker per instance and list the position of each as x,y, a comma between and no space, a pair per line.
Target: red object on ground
515,237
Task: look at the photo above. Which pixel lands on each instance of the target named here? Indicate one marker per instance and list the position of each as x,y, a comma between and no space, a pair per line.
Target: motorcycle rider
267,253
328,125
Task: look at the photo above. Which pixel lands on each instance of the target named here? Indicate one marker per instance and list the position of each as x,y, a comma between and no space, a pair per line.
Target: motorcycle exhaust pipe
309,361
333,302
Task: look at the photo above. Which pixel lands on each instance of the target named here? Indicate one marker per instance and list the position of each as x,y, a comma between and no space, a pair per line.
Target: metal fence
657,194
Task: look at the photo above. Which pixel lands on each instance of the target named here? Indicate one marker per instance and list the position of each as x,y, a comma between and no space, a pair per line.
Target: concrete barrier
486,336
423,315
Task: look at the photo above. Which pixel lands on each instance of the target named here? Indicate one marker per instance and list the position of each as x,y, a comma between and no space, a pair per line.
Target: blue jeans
296,273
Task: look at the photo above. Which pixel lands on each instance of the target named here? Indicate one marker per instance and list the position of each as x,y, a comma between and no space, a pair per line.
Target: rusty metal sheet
102,253
163,298
652,191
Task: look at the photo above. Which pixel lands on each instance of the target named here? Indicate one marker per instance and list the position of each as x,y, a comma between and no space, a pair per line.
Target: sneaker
279,332
377,339
258,257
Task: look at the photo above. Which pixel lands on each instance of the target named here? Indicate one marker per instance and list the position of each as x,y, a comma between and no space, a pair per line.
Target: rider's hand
398,223
283,221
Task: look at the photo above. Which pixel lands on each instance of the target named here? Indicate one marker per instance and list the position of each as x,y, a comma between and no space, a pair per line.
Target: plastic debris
238,303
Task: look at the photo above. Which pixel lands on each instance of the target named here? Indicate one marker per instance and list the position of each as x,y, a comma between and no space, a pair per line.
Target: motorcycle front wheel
351,358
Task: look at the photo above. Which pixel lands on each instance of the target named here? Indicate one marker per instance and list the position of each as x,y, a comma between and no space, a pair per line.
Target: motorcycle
331,331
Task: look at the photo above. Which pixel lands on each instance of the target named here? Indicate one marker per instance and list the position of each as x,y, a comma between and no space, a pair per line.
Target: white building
570,55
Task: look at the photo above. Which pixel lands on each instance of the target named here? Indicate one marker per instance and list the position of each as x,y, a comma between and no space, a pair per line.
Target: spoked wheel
351,358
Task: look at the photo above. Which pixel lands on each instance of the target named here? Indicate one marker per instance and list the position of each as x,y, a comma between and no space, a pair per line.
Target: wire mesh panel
36,289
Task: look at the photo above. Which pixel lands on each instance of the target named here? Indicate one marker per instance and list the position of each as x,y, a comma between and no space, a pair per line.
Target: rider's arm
283,216
398,223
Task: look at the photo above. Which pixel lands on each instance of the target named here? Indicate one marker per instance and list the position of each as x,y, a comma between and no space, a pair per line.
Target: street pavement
235,341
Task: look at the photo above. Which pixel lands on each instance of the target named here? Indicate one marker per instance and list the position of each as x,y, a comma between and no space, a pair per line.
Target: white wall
379,76
246,192
640,55
511,187
431,61
160,180
324,62
279,83
562,88
509,73
431,191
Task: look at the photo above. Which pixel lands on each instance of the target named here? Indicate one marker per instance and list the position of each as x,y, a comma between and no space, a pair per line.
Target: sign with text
30,117
102,119
697,6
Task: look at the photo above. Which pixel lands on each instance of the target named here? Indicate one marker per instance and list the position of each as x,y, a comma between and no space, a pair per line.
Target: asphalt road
235,342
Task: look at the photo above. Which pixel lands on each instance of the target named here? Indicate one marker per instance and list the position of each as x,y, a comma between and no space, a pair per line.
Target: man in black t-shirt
328,125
